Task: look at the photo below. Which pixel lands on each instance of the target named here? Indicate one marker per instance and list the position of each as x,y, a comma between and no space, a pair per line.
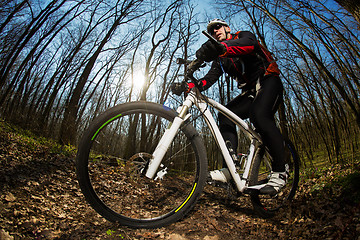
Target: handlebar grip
182,61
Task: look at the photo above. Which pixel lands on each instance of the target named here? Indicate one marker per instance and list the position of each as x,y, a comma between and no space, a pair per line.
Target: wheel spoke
267,205
120,153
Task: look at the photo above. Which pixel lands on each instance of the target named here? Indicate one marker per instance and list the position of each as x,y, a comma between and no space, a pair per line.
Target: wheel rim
117,173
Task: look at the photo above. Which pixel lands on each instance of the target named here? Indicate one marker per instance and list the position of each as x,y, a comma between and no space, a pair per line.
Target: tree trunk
68,126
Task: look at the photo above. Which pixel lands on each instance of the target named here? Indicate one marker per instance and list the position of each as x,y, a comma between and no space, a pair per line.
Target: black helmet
215,22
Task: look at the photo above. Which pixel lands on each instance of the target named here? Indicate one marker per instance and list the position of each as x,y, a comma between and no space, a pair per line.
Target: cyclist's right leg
265,104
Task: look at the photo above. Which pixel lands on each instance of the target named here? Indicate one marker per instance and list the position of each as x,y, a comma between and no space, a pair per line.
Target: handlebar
192,66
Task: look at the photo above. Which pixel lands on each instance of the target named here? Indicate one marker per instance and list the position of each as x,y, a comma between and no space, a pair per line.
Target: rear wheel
266,205
113,156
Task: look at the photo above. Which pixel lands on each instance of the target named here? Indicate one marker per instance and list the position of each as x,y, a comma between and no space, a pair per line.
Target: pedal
254,189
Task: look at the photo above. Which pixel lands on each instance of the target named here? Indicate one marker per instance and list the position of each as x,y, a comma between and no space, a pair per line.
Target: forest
64,62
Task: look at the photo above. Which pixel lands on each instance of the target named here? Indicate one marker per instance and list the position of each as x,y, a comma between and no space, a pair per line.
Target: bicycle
144,165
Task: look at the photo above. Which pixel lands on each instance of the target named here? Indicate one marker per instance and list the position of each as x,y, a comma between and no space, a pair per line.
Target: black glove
179,87
210,51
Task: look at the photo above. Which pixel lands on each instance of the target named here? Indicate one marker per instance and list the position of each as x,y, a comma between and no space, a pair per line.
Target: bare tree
36,23
68,127
352,6
21,75
318,49
16,8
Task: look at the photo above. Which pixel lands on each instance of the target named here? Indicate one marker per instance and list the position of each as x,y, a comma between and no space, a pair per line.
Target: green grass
340,180
34,143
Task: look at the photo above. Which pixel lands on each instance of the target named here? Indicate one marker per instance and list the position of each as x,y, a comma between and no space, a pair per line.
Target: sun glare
138,80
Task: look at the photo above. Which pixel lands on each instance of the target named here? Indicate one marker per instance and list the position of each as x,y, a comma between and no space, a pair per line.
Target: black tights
260,109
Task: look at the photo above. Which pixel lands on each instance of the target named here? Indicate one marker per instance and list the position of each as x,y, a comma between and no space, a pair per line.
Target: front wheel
113,156
266,205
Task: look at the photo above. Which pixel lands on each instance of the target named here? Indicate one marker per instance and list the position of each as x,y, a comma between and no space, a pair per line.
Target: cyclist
239,56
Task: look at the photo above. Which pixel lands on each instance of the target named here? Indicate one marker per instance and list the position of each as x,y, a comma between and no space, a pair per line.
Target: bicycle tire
112,156
265,205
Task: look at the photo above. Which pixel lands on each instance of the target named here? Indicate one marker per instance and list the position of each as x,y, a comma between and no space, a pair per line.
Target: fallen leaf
10,197
5,235
211,238
175,236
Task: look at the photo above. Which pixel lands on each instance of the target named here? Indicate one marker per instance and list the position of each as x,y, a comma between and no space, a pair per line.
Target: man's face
220,32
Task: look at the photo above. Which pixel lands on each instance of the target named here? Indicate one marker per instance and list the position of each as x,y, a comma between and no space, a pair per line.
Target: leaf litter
40,199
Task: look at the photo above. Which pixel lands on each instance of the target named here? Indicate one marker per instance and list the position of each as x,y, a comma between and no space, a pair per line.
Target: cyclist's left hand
210,51
179,88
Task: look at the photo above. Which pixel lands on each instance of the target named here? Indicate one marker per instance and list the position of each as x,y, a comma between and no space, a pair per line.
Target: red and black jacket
241,61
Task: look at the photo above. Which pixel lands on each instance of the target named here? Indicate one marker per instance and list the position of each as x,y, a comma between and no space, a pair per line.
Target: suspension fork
169,136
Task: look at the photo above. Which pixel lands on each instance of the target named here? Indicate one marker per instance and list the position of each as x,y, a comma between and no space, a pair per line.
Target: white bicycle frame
164,143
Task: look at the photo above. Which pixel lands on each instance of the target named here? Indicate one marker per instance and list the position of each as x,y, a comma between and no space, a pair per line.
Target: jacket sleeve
244,43
211,77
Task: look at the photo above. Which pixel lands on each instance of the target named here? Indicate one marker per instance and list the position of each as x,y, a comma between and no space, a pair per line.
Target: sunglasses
215,27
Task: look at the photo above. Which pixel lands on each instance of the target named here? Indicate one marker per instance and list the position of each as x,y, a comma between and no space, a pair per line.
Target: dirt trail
40,199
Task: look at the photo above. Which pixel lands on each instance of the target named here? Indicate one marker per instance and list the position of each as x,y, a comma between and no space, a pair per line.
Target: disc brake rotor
138,163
